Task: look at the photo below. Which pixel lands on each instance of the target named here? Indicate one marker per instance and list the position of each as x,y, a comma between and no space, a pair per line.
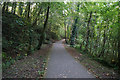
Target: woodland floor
93,66
32,66
61,65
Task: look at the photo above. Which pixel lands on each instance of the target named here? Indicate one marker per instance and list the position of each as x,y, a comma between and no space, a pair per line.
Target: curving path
62,65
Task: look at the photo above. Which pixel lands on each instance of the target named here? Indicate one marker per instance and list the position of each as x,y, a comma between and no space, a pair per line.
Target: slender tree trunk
88,31
15,4
33,24
68,32
94,45
28,12
12,7
104,40
119,51
3,9
65,33
94,24
108,40
103,47
28,18
72,41
43,31
7,4
20,9
35,21
119,38
92,36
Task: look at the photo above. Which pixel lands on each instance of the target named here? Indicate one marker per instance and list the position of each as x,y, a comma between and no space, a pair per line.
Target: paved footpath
62,65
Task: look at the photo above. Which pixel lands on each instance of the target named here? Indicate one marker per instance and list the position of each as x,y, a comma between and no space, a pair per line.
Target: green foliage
103,30
22,34
12,35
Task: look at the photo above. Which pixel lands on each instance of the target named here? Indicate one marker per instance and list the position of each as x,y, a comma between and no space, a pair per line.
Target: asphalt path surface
62,65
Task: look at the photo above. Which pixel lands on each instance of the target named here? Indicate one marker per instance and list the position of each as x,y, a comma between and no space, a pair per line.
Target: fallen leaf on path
64,76
80,54
107,74
88,72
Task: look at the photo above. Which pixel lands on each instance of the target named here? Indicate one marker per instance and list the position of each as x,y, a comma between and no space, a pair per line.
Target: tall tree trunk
15,4
103,47
30,37
14,7
3,9
7,4
72,41
68,31
28,10
43,31
119,49
65,33
20,9
88,31
35,21
95,40
68,34
119,38
33,24
104,40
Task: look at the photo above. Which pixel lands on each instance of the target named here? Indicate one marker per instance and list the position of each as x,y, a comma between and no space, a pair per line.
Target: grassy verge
96,68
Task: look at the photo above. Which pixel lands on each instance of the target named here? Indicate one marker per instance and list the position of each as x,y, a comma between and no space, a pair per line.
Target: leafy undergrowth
31,66
96,68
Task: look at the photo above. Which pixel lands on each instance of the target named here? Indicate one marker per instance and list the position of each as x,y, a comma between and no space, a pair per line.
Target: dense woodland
90,27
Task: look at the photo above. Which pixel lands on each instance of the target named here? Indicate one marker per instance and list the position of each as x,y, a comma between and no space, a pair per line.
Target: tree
119,39
43,31
74,29
7,4
28,10
88,30
4,5
88,26
20,9
14,7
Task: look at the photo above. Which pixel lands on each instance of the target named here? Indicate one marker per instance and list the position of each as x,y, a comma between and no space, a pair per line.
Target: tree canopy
91,27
